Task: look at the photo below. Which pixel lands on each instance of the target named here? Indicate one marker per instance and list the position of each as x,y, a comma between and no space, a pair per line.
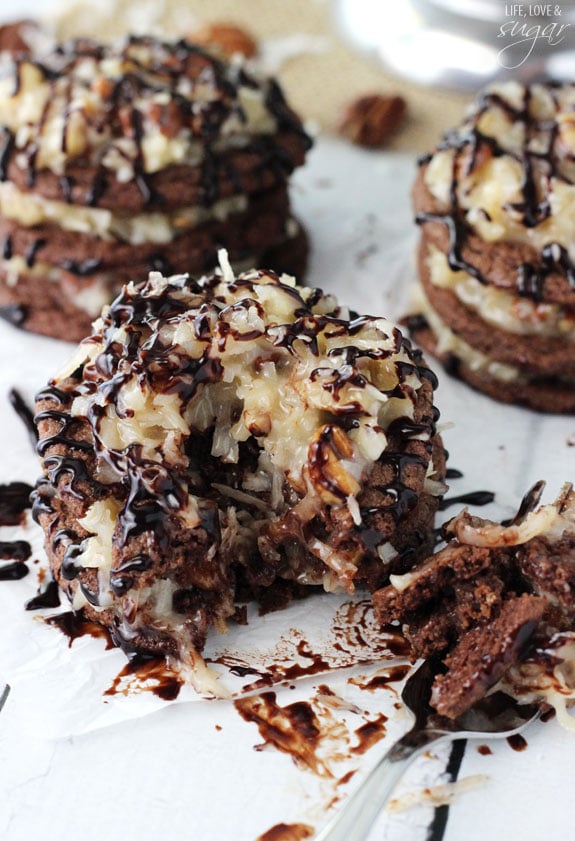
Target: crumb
440,795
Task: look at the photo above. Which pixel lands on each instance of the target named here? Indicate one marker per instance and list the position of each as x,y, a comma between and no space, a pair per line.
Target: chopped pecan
329,447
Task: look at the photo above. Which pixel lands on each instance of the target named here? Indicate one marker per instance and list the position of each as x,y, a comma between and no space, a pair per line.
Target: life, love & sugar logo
530,26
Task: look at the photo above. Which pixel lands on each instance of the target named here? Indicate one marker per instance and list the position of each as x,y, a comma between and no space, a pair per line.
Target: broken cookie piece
490,594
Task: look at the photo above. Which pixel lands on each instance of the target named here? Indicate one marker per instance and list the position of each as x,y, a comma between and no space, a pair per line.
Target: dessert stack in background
496,205
117,160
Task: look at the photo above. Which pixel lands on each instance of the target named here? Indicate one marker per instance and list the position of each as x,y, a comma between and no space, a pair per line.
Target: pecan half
13,36
227,38
370,120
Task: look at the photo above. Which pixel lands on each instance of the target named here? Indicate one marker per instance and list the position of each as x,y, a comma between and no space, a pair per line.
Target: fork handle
4,690
360,810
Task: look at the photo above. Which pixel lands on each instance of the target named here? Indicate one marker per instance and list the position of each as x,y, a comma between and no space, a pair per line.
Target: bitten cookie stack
227,439
496,205
118,160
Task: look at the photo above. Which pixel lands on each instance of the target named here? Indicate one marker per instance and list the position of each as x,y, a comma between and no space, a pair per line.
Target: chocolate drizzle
404,499
6,248
151,674
121,580
14,314
287,832
13,572
25,414
32,250
48,596
59,437
82,268
74,626
16,550
5,151
472,498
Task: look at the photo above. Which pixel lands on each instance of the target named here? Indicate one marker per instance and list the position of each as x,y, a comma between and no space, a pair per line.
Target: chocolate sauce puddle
48,596
139,674
287,832
74,626
369,734
136,674
393,674
355,640
293,729
517,742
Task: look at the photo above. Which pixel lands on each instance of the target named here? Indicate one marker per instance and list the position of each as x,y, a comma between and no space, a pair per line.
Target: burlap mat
321,73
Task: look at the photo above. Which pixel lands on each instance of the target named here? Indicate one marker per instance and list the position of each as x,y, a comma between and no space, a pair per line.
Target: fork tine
3,695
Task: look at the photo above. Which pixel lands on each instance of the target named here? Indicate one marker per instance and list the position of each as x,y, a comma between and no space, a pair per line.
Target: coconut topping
132,109
254,357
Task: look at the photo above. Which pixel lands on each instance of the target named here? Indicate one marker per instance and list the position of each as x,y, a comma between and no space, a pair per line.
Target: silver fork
4,694
496,717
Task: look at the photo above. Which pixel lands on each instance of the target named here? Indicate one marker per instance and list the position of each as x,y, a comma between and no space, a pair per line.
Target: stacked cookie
496,204
232,438
149,155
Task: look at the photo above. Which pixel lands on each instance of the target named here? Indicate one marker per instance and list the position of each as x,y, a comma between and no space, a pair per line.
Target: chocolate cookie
230,438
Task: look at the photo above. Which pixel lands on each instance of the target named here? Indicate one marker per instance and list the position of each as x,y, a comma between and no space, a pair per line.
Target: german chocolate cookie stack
232,438
496,205
118,160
